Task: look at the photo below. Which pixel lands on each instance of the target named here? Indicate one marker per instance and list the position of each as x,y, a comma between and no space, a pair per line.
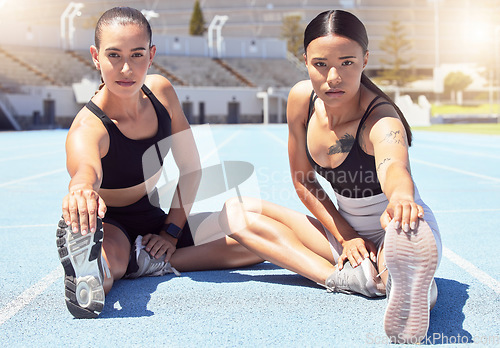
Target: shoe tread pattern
411,259
78,254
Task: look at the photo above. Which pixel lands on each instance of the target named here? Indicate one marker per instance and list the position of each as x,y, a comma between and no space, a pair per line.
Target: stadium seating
52,66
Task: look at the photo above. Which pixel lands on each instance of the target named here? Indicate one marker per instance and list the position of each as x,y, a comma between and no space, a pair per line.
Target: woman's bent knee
239,213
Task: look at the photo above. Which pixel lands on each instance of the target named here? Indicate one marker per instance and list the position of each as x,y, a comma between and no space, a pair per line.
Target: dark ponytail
346,24
365,80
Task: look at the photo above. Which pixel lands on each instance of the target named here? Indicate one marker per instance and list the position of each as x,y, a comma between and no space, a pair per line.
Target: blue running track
458,176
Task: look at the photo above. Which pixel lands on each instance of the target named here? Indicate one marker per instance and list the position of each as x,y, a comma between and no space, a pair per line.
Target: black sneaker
84,269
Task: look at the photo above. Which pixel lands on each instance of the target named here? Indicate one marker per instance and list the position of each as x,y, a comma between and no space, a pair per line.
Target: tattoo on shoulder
343,145
395,137
383,162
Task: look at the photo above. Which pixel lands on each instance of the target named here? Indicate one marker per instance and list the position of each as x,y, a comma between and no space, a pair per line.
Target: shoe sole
411,259
80,257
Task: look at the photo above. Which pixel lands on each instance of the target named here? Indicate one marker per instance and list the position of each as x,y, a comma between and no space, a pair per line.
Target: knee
233,206
238,213
240,205
231,212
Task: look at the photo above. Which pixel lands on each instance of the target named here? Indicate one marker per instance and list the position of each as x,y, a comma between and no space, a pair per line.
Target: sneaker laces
155,268
160,268
385,269
340,283
356,280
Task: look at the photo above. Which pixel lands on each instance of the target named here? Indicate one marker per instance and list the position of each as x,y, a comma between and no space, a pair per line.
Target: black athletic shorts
141,218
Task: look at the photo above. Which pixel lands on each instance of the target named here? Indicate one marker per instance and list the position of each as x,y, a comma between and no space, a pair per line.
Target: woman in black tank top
345,128
112,225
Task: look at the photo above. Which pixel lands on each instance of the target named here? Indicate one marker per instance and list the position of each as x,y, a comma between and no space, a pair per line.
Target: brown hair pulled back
346,24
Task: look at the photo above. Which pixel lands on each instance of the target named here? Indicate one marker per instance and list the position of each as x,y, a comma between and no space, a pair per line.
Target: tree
455,82
293,33
197,23
395,45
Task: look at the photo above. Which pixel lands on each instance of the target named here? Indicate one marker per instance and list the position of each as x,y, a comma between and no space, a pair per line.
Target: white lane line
220,146
32,177
37,155
456,170
7,145
29,295
283,142
460,152
28,226
278,139
482,143
454,211
483,277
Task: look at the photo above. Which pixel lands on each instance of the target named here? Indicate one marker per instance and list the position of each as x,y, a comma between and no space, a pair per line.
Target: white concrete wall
216,101
32,100
417,114
217,98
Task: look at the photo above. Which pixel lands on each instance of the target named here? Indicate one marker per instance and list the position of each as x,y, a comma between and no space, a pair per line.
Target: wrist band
172,230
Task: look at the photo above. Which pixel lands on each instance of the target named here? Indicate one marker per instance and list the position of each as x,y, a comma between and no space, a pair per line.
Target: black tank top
356,176
123,164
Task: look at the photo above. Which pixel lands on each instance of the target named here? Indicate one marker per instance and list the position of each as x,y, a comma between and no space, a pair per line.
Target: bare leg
282,236
212,249
116,252
222,253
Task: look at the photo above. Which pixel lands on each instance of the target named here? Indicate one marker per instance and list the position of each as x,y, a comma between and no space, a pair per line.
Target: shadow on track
447,317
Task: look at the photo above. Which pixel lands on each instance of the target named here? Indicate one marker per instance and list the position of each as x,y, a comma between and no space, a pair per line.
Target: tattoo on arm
395,137
382,163
343,145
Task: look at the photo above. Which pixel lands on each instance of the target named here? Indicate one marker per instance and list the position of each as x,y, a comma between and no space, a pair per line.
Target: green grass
476,128
483,109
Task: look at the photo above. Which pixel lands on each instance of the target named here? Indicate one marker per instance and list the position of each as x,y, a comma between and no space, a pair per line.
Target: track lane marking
28,295
460,152
36,155
28,178
467,266
456,170
28,226
483,277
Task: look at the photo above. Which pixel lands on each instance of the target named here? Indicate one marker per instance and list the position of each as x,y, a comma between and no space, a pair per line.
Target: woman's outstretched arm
85,145
390,146
309,190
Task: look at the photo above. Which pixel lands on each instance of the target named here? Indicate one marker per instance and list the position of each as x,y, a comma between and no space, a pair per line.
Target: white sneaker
360,280
84,268
150,266
433,292
411,259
